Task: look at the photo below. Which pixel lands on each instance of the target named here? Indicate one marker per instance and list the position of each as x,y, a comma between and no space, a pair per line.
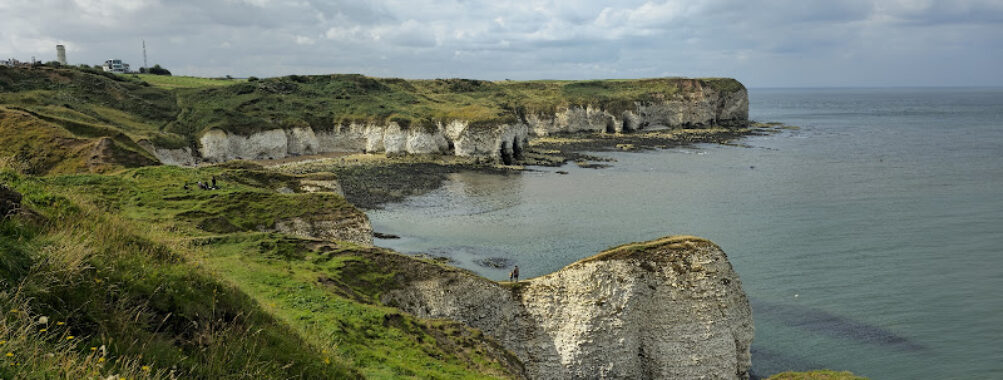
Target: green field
168,82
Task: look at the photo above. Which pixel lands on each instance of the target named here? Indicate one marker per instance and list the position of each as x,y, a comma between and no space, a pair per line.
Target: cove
867,239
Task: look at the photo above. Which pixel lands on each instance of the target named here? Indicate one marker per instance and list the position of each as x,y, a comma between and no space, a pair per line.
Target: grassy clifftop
47,105
323,101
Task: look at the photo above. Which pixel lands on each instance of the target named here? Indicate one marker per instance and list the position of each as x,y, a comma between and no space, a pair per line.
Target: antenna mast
144,55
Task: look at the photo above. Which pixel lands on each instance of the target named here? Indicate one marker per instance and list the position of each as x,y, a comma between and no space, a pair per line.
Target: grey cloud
777,42
948,12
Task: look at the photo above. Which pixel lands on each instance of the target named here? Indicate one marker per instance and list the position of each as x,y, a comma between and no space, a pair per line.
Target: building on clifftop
116,66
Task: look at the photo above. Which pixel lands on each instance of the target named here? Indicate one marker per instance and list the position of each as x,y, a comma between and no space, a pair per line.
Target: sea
868,239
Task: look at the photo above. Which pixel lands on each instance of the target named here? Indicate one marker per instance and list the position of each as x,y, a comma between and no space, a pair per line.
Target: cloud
773,42
926,12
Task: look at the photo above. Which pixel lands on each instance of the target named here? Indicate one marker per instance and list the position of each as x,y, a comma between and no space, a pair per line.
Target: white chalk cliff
668,309
698,105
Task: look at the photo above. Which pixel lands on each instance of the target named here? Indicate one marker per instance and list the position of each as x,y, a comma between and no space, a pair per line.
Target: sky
772,43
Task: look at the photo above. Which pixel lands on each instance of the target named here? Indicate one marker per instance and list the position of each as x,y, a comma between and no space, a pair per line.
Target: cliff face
699,105
695,104
495,143
670,308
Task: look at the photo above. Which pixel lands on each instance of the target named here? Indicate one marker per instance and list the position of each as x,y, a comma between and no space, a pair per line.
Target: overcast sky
776,43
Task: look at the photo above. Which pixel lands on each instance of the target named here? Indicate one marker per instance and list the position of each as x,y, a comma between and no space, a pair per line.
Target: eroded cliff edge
668,308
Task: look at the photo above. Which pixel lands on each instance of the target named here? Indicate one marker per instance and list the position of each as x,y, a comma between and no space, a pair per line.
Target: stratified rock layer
670,308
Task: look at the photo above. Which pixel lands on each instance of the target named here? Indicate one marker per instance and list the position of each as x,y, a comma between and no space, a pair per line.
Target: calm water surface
870,240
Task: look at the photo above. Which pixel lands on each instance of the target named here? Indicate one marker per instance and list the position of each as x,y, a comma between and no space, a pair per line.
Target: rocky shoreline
369,181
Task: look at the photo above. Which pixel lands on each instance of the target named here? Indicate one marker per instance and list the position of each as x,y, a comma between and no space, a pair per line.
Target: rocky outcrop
170,156
321,186
355,228
345,224
671,308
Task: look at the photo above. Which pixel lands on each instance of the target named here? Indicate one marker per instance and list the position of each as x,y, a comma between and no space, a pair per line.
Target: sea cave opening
506,153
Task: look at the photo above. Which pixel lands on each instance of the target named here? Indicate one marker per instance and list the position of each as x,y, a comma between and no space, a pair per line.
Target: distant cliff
65,112
670,308
488,120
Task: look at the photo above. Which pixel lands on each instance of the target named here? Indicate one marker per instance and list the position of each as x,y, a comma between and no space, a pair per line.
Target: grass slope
90,294
168,82
121,262
40,146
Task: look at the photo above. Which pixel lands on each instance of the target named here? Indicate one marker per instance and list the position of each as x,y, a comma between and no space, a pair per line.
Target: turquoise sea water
870,240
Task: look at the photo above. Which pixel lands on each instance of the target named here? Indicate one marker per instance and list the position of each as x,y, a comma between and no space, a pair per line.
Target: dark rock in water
561,172
438,259
591,165
380,235
10,201
494,262
823,322
468,250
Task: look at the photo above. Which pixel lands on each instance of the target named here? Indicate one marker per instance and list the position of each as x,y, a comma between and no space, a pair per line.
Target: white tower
144,55
61,54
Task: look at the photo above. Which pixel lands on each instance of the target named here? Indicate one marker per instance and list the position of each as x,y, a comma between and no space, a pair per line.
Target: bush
157,70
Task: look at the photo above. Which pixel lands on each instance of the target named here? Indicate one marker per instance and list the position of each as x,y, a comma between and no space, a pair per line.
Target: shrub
157,70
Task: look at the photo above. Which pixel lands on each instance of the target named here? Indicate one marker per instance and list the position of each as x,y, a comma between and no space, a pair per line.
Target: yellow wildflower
43,330
100,360
3,341
146,368
70,337
60,323
10,354
327,361
94,348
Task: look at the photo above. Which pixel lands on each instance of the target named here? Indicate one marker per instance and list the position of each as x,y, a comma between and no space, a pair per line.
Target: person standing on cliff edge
514,274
